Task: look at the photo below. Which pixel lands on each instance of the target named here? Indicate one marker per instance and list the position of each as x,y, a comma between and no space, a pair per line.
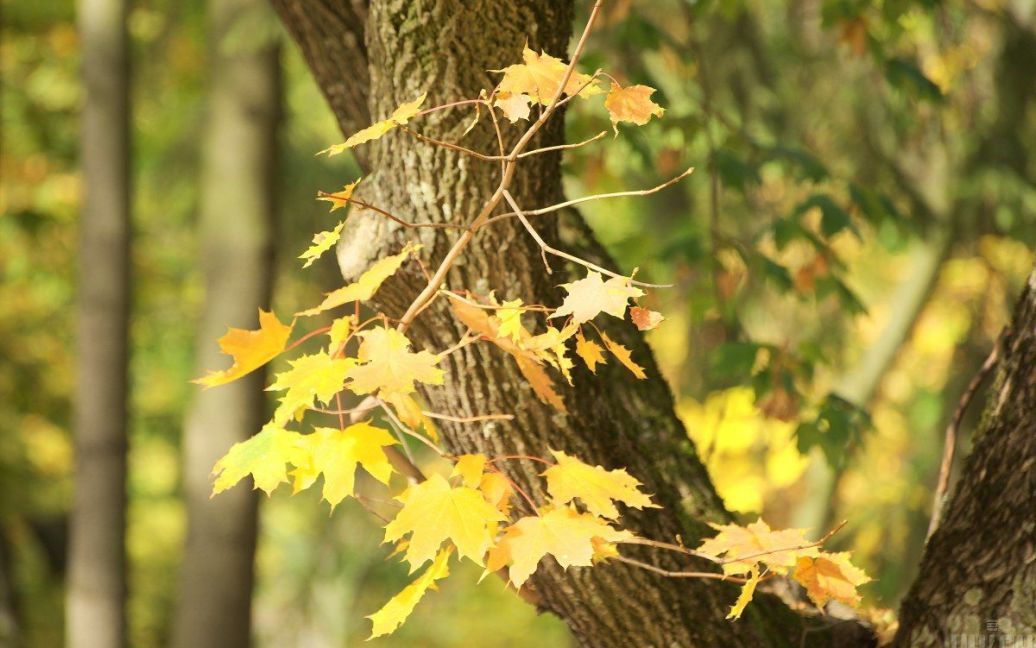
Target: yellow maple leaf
470,468
339,333
322,242
262,456
497,491
645,319
340,198
510,314
250,349
743,547
335,454
479,321
622,354
631,104
368,283
591,295
590,352
550,346
564,533
539,76
395,612
388,364
514,106
745,597
398,117
409,412
593,485
434,511
311,376
830,576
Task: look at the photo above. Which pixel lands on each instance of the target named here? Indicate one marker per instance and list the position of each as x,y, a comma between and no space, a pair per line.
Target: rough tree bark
236,229
97,566
444,47
977,581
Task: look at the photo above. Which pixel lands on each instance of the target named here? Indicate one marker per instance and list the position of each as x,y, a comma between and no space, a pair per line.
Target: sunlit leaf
250,349
398,118
368,283
631,104
594,486
395,612
591,295
434,512
564,533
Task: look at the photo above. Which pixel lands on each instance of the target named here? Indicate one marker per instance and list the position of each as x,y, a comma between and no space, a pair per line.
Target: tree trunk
445,47
97,575
977,583
236,229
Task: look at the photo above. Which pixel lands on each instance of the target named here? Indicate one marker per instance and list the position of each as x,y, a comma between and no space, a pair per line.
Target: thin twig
576,201
469,419
392,417
388,215
431,288
950,440
565,255
680,574
562,147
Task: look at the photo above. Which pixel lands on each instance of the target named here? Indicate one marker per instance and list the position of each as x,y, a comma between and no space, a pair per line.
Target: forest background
864,209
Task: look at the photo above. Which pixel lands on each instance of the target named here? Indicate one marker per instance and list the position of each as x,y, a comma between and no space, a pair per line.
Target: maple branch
577,201
520,457
517,489
670,547
810,545
950,442
431,288
565,255
524,307
469,419
392,417
448,145
379,210
452,104
306,337
562,147
680,574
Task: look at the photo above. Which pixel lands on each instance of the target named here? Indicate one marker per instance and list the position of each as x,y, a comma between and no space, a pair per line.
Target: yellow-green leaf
398,118
389,365
434,512
745,597
263,456
335,454
564,533
470,468
322,242
595,487
340,198
395,612
368,283
311,376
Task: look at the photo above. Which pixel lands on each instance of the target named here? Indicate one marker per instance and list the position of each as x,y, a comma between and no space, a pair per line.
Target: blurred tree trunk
236,229
977,581
97,565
